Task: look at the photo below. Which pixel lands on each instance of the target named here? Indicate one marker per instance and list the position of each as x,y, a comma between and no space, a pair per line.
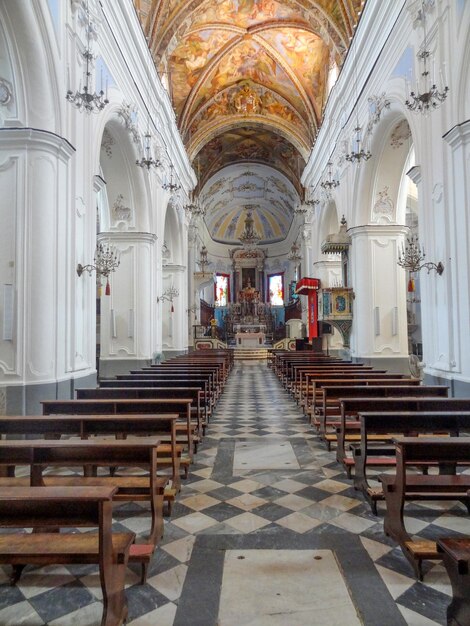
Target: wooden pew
303,374
123,406
405,487
326,392
424,398
313,397
49,508
455,552
378,427
206,400
328,417
185,378
148,487
139,393
85,426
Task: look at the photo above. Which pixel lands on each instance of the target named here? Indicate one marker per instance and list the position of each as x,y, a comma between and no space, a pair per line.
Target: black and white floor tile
261,481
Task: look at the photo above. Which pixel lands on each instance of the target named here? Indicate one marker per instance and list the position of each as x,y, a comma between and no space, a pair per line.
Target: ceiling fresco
248,78
239,188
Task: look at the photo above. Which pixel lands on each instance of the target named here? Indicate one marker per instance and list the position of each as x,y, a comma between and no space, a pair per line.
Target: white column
37,268
457,267
380,323
174,322
128,315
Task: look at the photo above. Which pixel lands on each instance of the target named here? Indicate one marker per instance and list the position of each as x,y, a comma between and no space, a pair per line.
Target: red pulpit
309,287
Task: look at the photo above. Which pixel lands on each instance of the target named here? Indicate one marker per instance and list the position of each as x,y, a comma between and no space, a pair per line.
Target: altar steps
250,354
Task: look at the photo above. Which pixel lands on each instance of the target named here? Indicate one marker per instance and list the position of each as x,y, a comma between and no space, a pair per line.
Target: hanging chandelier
171,185
249,236
147,160
411,257
203,261
358,153
431,97
330,183
86,99
195,208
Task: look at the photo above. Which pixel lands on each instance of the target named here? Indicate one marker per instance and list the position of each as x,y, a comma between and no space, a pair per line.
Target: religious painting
222,290
276,289
248,277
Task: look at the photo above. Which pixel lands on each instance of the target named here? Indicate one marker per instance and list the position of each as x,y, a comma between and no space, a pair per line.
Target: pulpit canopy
306,285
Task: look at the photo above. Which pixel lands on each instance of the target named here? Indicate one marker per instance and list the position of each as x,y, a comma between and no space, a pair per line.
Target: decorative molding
128,115
119,211
384,206
376,105
6,92
400,134
106,142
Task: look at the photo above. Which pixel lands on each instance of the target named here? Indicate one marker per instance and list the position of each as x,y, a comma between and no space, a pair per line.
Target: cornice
17,138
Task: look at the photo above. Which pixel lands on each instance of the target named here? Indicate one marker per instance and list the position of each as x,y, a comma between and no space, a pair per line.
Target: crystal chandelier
106,260
430,98
330,183
147,160
358,153
86,99
171,185
411,257
249,236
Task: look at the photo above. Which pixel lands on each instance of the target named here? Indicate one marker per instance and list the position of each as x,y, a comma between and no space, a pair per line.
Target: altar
250,339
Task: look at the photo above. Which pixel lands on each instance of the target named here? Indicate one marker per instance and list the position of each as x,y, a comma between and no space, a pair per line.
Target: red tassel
411,285
108,288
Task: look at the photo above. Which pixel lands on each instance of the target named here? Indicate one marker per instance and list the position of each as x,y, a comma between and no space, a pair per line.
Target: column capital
21,138
458,135
127,237
378,230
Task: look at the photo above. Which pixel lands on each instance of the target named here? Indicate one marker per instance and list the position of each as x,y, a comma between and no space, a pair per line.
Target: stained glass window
221,290
276,290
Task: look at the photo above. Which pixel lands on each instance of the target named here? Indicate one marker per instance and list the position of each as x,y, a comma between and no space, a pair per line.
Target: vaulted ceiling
248,78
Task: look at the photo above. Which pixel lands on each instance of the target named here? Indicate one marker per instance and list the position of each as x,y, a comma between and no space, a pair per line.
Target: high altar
249,318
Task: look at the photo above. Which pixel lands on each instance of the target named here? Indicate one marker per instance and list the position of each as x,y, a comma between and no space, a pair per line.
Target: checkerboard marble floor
261,480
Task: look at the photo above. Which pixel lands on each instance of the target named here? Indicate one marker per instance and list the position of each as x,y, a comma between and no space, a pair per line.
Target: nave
263,501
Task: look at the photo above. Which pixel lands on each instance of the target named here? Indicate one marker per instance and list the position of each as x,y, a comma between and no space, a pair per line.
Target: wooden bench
312,396
326,394
405,487
378,427
185,378
123,406
77,507
120,426
455,552
148,487
207,401
144,393
417,398
303,375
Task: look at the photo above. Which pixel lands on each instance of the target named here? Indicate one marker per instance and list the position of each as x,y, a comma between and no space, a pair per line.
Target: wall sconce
106,260
412,255
169,295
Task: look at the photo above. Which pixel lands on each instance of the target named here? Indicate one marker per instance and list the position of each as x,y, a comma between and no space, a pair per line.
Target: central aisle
266,506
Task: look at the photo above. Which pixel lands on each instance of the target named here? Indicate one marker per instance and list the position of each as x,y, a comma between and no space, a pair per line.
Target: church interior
234,310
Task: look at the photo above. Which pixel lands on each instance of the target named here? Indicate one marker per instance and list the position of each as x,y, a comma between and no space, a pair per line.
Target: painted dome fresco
248,78
239,189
